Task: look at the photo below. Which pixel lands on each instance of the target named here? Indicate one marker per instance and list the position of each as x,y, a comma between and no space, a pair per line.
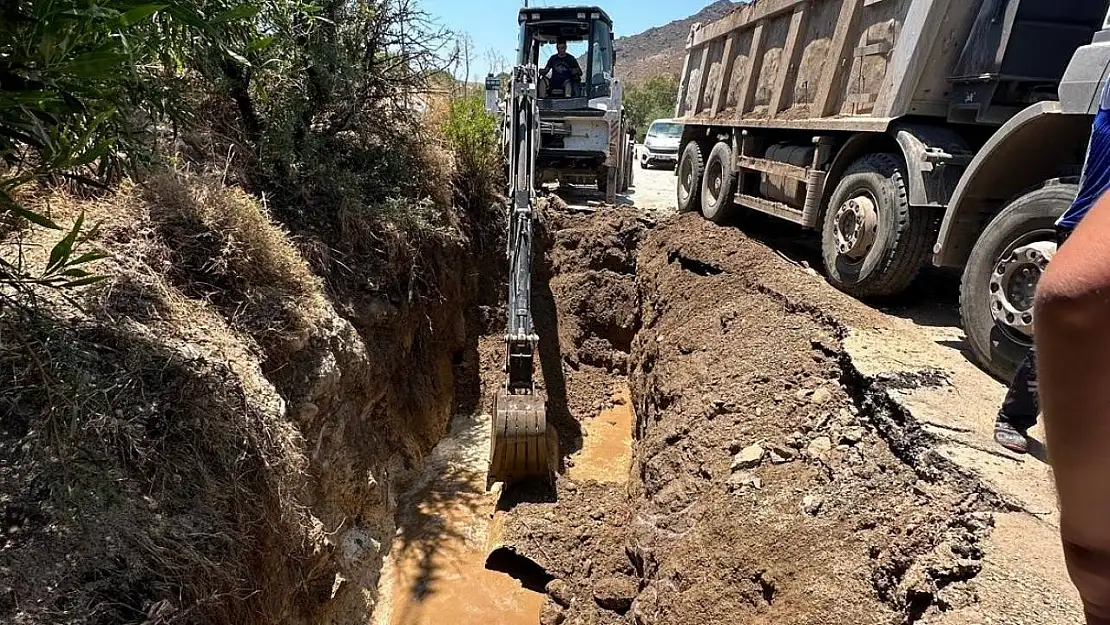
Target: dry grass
147,463
144,457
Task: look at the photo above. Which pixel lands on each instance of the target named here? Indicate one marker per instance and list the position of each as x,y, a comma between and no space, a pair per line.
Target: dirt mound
588,270
584,295
825,520
771,482
208,440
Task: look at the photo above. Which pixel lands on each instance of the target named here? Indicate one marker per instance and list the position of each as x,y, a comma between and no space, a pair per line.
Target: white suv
661,143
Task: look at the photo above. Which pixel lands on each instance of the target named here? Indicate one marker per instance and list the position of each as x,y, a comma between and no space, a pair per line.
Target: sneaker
1011,438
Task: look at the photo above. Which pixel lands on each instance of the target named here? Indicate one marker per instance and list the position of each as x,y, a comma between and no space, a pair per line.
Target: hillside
660,50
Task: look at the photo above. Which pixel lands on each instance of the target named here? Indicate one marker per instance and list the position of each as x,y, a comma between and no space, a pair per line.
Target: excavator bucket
523,446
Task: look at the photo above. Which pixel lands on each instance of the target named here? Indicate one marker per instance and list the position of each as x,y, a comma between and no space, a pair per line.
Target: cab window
601,53
666,130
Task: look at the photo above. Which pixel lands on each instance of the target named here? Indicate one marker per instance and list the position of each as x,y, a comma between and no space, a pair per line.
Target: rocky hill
660,50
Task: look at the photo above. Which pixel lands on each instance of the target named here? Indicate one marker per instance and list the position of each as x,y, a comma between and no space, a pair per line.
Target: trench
450,561
723,460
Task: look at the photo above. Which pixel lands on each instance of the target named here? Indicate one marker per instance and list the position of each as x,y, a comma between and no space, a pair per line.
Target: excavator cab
582,122
587,33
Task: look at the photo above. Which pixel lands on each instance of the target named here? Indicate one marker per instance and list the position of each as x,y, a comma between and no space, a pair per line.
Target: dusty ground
653,190
797,456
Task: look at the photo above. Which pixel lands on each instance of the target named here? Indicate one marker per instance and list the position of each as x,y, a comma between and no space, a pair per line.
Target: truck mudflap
936,158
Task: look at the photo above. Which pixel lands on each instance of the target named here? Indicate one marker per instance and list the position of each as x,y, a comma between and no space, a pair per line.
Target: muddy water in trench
436,571
606,454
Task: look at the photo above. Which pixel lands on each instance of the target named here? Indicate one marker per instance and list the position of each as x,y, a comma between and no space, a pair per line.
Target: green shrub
471,133
651,101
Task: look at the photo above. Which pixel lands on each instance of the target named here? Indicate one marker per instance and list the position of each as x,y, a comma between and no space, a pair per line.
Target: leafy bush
83,85
316,105
471,132
651,101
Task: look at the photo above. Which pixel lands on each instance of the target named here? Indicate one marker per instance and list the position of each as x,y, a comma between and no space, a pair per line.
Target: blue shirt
1095,179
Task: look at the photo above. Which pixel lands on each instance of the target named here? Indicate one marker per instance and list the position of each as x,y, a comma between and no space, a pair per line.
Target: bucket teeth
522,445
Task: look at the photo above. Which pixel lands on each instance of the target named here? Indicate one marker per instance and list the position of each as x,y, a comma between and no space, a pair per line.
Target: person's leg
1019,409
1022,404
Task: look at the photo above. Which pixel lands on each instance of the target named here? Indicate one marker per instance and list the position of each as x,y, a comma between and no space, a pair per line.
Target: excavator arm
523,445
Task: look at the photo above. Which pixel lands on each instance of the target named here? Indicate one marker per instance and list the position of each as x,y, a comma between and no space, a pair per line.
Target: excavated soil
771,482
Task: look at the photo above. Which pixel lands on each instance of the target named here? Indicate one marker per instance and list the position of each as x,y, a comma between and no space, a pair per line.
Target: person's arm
1073,352
575,68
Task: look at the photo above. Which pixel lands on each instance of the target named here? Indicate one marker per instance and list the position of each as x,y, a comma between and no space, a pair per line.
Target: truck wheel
690,168
872,243
996,293
718,185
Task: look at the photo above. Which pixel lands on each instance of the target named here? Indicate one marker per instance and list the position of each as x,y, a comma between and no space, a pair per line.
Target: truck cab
998,227
583,139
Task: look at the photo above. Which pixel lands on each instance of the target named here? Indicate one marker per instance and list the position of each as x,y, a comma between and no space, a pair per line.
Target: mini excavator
574,133
523,446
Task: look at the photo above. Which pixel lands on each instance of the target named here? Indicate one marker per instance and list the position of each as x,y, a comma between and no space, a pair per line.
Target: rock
819,446
821,396
552,613
597,515
796,440
821,421
780,454
748,457
802,395
811,504
570,486
615,593
851,436
645,609
742,479
559,591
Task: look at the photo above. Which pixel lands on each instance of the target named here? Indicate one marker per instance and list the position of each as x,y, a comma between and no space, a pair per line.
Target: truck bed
824,64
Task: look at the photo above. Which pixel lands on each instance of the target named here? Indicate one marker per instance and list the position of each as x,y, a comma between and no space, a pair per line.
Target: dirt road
653,190
795,456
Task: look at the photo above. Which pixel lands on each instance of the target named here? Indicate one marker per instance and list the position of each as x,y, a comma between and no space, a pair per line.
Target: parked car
661,143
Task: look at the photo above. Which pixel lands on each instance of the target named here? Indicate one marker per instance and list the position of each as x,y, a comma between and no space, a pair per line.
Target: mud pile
586,310
771,482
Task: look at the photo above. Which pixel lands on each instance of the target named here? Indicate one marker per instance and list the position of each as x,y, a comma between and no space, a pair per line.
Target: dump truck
905,132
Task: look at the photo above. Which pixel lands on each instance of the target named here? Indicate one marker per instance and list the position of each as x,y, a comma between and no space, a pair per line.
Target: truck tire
718,185
995,277
691,166
873,244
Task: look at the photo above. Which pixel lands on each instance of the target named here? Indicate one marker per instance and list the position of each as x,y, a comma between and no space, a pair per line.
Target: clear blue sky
492,23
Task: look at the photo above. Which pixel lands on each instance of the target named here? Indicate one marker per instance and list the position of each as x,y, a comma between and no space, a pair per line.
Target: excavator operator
564,69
